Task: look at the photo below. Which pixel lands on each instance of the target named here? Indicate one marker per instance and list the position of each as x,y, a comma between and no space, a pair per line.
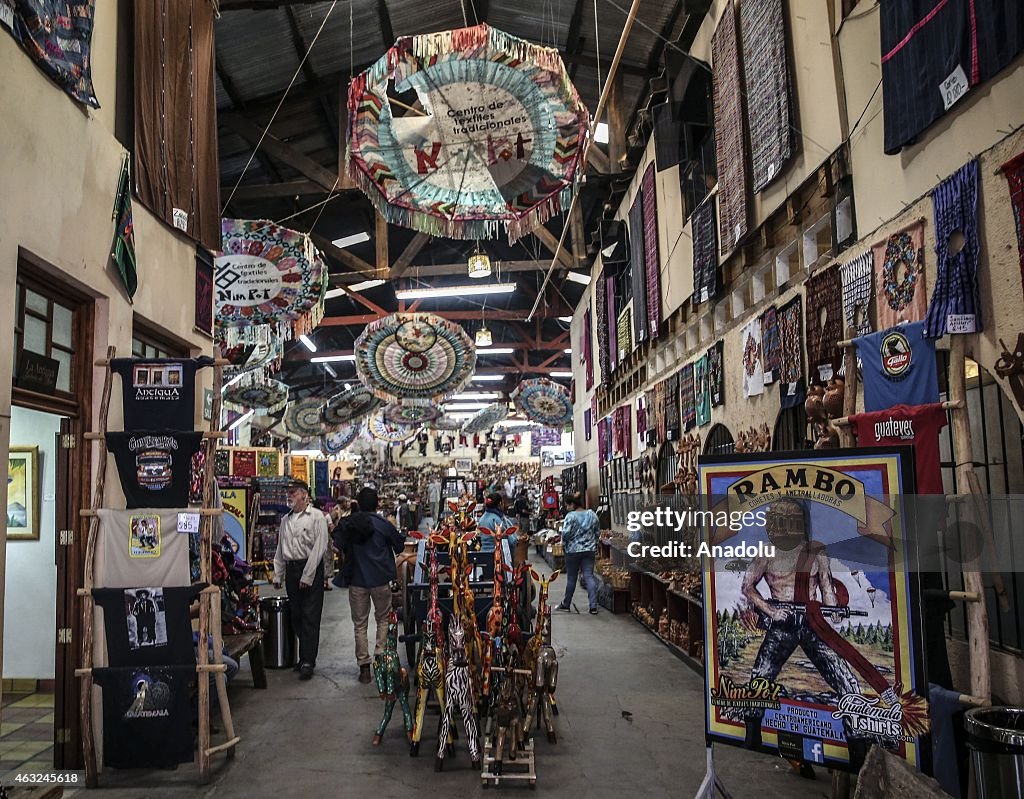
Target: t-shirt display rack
209,611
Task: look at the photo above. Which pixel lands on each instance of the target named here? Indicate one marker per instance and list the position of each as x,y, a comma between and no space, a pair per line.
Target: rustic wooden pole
85,699
850,391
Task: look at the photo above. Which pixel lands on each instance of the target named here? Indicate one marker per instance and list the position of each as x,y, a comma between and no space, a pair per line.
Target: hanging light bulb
483,337
479,264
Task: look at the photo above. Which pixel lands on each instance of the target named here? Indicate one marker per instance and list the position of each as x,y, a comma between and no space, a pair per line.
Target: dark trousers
576,562
305,606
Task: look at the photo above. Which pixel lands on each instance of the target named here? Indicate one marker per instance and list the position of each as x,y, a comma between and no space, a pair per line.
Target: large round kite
303,418
543,401
267,396
351,404
497,144
333,443
392,363
268,274
411,412
486,418
383,430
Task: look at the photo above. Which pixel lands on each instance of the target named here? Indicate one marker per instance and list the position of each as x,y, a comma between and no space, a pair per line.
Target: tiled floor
26,733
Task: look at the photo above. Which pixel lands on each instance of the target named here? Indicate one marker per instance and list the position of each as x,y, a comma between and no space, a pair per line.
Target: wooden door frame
70,568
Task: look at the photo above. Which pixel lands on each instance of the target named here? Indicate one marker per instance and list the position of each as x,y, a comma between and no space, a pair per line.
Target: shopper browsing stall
494,519
579,537
369,543
299,565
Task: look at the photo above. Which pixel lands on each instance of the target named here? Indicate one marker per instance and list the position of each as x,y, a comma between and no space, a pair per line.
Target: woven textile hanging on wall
672,412
716,373
790,319
613,322
624,335
771,345
955,307
730,148
705,252
857,284
899,266
652,262
638,273
687,408
824,319
766,74
601,318
660,418
1014,171
588,346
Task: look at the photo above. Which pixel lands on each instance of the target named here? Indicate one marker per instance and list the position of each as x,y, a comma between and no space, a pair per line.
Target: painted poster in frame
811,627
463,465
23,494
236,511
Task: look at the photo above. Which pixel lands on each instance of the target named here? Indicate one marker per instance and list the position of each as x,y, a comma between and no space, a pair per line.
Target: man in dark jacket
370,544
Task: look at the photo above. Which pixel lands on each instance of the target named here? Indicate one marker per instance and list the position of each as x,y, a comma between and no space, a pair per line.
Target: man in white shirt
299,564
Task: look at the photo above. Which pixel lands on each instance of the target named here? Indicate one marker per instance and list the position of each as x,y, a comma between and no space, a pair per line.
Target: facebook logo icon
814,752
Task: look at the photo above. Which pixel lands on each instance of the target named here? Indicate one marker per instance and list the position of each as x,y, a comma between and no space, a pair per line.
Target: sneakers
593,611
560,606
306,671
364,673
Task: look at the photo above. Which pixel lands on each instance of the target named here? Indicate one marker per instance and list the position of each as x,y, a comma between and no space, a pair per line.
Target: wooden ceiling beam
499,315
436,270
380,244
550,242
261,5
359,267
412,249
288,189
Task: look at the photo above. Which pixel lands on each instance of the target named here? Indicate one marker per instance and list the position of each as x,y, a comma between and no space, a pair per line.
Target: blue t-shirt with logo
899,367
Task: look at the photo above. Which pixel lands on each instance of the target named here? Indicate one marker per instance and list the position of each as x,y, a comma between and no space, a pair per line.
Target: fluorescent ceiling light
601,133
515,423
355,238
309,453
332,358
240,419
329,370
454,291
567,350
366,284
560,374
466,406
577,277
475,395
495,350
564,318
492,378
459,415
308,342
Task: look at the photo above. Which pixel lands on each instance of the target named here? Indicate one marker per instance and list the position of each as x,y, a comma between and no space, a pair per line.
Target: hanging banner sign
812,639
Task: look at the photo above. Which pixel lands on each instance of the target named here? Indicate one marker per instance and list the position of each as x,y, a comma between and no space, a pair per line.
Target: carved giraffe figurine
464,606
392,681
507,719
459,695
541,698
430,662
536,641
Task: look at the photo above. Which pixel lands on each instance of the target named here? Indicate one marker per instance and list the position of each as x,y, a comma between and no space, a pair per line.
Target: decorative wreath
751,355
900,250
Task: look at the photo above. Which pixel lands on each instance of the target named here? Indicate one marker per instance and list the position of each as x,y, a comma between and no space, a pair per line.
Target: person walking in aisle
299,564
370,543
579,538
492,518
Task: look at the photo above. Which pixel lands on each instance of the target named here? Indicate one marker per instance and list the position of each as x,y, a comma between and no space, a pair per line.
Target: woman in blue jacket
579,538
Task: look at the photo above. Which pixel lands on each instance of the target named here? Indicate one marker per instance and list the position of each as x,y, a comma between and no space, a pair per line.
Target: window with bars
46,326
719,441
790,430
148,343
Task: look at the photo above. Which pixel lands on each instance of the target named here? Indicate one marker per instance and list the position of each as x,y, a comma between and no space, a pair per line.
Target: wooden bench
250,644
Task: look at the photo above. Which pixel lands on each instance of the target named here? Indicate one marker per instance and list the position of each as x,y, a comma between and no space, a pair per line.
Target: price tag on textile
954,87
188,522
960,323
769,377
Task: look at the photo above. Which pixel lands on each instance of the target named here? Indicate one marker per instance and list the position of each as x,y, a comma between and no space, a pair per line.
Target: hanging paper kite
394,360
303,418
485,419
268,396
497,144
544,401
383,430
267,274
333,443
411,412
351,404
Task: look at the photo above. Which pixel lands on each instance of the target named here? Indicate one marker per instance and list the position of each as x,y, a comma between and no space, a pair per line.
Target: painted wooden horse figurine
507,719
430,662
459,697
392,681
541,698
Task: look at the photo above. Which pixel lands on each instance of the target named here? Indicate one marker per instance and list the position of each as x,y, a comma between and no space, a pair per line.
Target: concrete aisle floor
314,738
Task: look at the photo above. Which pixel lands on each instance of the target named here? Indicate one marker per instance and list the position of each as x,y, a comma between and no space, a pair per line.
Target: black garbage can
280,644
995,736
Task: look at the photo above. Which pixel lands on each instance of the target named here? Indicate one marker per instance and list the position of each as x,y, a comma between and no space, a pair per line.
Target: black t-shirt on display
148,626
147,715
155,467
159,393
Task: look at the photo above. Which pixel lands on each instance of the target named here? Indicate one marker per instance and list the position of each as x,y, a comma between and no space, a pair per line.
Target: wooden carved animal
541,699
430,660
392,681
834,397
508,721
813,404
459,697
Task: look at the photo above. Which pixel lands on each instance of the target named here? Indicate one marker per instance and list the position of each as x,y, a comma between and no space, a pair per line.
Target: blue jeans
574,562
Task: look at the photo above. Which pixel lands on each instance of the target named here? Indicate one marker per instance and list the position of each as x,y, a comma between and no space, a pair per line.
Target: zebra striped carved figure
458,697
430,663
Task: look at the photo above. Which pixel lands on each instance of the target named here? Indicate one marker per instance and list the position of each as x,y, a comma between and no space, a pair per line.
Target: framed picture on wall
23,494
463,464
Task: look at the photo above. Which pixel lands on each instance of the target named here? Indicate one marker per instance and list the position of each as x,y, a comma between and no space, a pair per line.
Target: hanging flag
124,233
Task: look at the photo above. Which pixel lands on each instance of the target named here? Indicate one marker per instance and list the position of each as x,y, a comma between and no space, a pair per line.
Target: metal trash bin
280,644
995,736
